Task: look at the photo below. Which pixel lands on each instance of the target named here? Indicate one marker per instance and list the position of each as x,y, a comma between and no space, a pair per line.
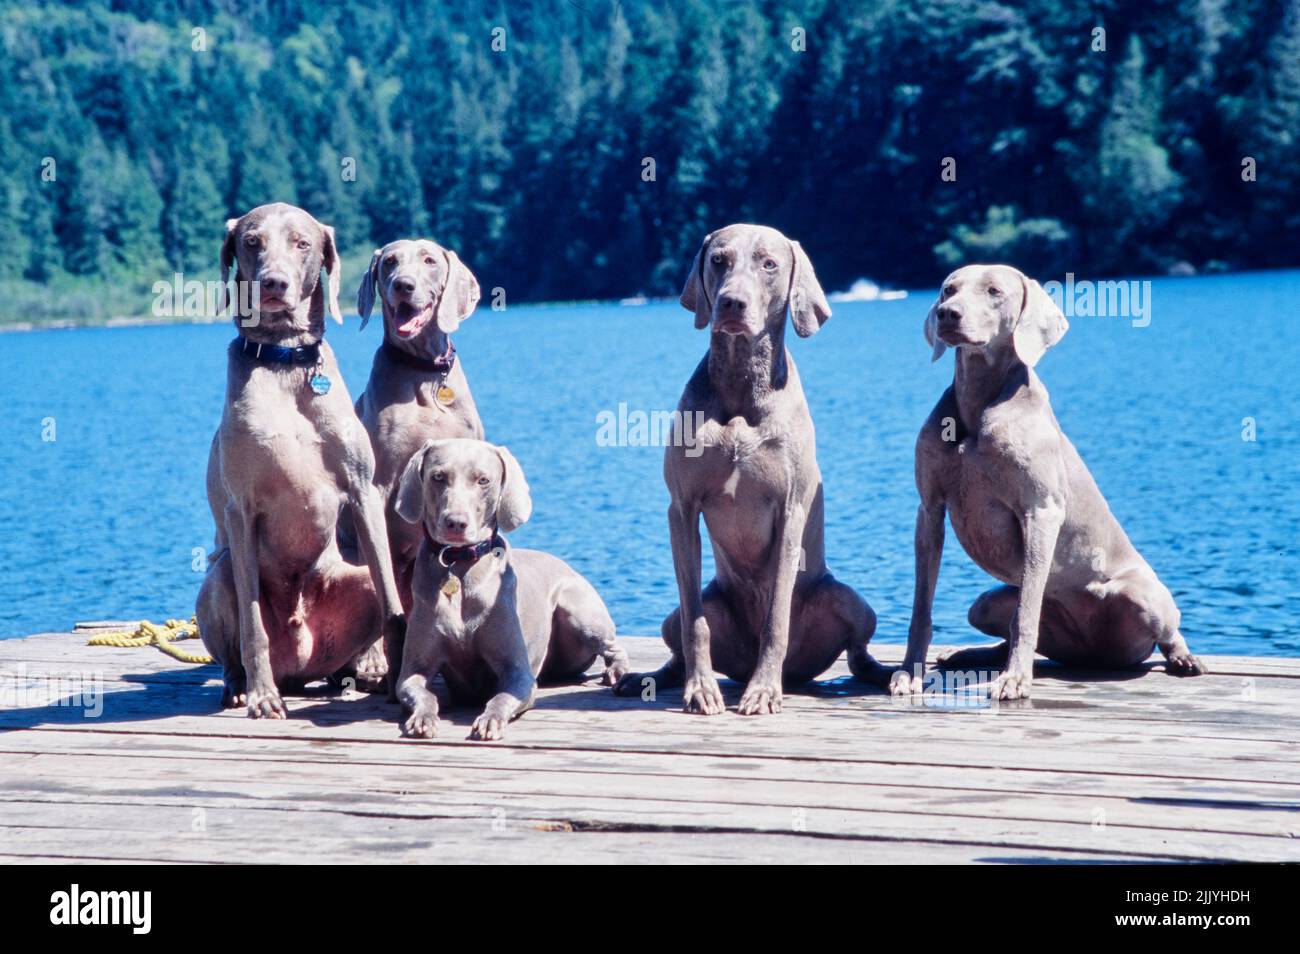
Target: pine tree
85,221
195,214
15,238
134,236
1275,143
1135,189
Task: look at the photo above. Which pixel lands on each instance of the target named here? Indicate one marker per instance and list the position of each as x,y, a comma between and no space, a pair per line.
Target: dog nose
455,522
948,315
404,286
274,284
733,303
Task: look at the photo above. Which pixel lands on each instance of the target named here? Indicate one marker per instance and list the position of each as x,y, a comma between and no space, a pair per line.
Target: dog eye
304,244
252,241
438,477
390,261
995,292
484,481
716,258
949,291
770,265
428,260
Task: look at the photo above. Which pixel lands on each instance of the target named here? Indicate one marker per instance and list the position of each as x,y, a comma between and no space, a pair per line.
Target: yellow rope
151,634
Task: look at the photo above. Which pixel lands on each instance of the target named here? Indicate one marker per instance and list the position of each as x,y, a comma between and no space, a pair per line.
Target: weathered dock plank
1098,767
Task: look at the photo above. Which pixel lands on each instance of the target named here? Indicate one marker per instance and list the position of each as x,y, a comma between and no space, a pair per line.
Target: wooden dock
1114,767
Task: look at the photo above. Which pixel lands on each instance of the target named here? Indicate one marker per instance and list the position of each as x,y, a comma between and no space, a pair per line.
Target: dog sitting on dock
494,620
1023,504
279,606
773,613
417,390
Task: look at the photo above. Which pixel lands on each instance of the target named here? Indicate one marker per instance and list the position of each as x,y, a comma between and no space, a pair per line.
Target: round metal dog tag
451,587
446,395
319,383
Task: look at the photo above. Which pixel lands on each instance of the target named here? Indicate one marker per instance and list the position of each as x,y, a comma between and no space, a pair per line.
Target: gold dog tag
446,396
451,587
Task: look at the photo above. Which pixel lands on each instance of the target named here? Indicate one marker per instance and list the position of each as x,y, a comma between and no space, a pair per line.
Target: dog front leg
516,690
1040,527
263,697
420,664
928,544
763,693
372,535
701,692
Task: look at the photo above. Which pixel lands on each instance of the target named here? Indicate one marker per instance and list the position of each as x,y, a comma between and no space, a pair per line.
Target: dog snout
273,284
455,522
733,305
404,285
948,314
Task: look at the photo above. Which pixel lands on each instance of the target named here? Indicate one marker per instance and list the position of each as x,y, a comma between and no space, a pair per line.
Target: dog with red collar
417,390
494,620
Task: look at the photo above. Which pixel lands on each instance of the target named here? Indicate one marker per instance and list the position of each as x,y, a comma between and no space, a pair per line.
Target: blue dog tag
320,384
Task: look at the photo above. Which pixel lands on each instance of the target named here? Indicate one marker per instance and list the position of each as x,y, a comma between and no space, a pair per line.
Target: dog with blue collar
280,606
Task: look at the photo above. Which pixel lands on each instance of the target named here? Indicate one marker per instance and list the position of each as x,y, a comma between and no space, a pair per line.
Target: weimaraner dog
773,613
494,620
1023,504
279,606
417,390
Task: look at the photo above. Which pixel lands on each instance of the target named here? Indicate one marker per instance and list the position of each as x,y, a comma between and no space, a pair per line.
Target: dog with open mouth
417,390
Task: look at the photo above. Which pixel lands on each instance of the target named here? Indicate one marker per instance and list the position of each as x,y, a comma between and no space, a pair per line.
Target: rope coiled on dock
151,634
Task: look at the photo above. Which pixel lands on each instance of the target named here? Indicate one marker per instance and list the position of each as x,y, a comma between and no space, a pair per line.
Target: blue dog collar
305,355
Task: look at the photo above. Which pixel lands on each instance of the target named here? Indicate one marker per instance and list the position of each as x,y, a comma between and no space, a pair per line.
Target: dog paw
614,675
1184,664
372,669
947,658
266,704
422,724
703,696
904,682
234,694
488,727
629,684
763,699
1010,686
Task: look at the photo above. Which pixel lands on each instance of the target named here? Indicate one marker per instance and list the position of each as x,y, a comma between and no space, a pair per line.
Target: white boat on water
864,289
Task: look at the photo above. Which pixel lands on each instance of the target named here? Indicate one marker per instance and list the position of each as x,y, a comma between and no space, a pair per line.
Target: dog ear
227,258
515,505
1040,326
410,488
459,295
366,290
932,332
808,306
333,272
694,296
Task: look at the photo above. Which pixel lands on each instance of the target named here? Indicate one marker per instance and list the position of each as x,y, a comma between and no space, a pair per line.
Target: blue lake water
102,522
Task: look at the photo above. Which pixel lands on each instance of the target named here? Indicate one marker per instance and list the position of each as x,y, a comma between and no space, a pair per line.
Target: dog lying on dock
1023,504
279,606
494,620
773,612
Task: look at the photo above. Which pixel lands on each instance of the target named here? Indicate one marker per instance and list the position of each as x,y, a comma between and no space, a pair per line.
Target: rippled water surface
103,521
